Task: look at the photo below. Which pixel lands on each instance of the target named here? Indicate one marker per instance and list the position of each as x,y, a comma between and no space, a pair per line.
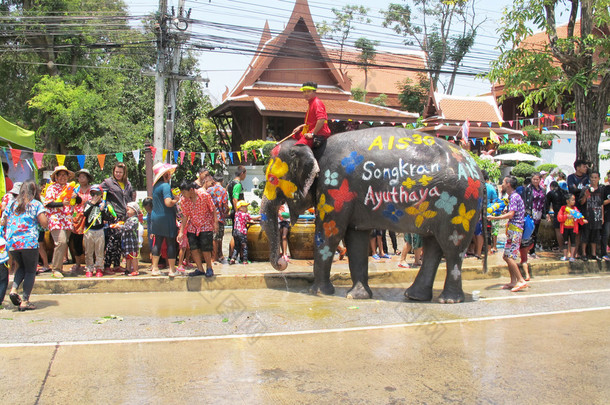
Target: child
93,238
569,226
284,223
130,239
240,232
412,241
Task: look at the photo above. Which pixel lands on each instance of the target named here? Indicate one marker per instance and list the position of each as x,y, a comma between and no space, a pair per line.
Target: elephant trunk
269,224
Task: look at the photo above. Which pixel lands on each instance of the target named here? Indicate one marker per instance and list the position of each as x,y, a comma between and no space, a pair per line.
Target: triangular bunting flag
224,157
202,155
212,157
484,141
489,124
15,154
569,140
164,155
136,155
521,122
510,123
101,159
81,160
239,156
176,156
119,156
246,155
60,159
262,154
192,158
154,151
550,142
254,154
478,124
182,153
230,157
559,141
38,159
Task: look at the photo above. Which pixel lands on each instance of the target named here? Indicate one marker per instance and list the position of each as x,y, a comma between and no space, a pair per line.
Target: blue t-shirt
492,194
163,218
22,229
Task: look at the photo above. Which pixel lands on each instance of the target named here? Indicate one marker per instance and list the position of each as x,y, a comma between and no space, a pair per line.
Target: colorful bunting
119,156
38,159
60,159
81,160
101,159
16,155
136,155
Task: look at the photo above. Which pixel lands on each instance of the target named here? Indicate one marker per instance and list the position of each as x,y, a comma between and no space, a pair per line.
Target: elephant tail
486,235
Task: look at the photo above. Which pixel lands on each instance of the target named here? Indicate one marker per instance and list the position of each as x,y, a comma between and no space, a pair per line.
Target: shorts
202,242
568,234
41,236
221,231
131,255
513,243
375,233
414,239
556,223
284,224
589,235
523,252
478,229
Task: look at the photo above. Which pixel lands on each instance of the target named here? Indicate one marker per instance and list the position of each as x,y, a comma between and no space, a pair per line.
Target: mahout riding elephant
378,178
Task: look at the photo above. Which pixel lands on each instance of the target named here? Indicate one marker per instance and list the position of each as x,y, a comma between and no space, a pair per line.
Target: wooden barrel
301,238
258,244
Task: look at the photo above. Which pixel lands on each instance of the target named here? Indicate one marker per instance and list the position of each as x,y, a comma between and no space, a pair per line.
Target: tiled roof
454,108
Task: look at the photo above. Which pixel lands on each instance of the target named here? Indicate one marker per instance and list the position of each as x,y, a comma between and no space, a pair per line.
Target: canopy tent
15,135
517,156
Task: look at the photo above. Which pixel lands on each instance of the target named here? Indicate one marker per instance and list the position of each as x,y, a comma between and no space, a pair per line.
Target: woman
60,216
534,198
118,194
163,215
21,219
78,220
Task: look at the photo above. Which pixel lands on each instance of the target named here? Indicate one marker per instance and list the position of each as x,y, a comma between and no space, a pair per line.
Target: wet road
547,344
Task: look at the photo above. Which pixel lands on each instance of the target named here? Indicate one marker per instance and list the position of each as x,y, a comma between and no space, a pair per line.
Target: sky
215,22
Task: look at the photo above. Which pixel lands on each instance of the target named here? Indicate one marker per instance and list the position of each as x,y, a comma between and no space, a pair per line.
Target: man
220,198
314,131
492,227
514,232
554,200
201,221
591,199
202,174
606,227
236,193
577,181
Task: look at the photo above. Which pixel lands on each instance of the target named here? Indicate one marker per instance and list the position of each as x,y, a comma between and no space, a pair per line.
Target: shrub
492,168
533,135
523,170
522,147
547,167
257,145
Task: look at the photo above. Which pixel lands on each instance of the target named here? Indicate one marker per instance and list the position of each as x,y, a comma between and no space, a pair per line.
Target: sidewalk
299,274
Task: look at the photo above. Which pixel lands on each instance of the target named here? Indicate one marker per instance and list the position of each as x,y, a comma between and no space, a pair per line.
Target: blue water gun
496,207
574,213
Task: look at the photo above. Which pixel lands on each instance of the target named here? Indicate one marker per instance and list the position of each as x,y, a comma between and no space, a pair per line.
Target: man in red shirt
200,219
314,131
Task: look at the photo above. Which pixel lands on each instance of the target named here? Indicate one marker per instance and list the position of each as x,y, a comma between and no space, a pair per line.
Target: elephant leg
421,289
322,263
357,243
452,292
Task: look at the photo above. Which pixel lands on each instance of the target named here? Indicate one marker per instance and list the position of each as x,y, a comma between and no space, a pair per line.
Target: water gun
67,192
574,213
176,191
496,207
73,199
108,206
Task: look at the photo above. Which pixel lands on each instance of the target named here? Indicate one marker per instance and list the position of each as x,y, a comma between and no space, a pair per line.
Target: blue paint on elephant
326,253
350,162
446,202
263,217
319,239
392,213
331,178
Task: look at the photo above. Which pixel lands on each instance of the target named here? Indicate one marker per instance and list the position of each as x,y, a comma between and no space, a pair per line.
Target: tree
413,97
366,57
575,65
434,37
340,29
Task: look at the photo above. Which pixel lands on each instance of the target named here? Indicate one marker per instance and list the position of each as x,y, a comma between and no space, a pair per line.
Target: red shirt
317,111
201,214
60,217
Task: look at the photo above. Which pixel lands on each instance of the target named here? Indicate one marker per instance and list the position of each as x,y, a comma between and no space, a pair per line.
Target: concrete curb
289,280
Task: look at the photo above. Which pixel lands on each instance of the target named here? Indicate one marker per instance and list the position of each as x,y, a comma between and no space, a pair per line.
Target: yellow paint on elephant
275,171
463,217
408,183
421,212
324,208
425,180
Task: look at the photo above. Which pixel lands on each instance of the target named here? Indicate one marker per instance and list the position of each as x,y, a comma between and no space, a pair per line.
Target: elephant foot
322,288
418,294
360,292
451,298
281,264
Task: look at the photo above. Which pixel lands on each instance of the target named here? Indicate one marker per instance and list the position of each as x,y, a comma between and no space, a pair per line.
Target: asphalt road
547,344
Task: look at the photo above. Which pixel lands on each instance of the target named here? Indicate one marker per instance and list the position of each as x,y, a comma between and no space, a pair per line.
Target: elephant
378,178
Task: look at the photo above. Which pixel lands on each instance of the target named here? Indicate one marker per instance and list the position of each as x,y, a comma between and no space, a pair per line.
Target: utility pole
160,79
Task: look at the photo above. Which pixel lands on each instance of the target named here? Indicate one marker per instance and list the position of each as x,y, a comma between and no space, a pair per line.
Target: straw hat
161,168
135,206
242,203
86,173
61,169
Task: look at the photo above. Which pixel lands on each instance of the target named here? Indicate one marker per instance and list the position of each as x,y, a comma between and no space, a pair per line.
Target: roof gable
454,108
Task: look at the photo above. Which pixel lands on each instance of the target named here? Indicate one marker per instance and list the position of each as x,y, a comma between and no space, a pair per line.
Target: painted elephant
383,178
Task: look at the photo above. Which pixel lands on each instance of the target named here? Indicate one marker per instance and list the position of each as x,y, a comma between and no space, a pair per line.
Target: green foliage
358,94
492,168
257,144
381,100
523,170
547,167
533,135
413,97
521,147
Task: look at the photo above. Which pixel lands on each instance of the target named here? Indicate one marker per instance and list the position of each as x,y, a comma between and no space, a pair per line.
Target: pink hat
161,168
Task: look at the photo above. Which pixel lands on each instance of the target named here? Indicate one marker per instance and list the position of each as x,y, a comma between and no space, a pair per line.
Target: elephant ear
303,168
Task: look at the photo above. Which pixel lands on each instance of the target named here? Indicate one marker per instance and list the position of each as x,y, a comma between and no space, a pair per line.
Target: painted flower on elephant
473,188
421,212
425,180
275,171
463,217
408,183
392,213
350,162
456,238
326,253
446,202
330,228
319,239
323,208
342,195
330,178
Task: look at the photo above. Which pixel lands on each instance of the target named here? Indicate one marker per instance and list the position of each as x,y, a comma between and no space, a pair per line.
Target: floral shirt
22,229
538,198
241,222
220,198
60,217
515,203
201,214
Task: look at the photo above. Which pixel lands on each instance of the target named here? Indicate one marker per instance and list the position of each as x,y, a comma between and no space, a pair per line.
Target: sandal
27,307
519,287
57,274
508,286
15,299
